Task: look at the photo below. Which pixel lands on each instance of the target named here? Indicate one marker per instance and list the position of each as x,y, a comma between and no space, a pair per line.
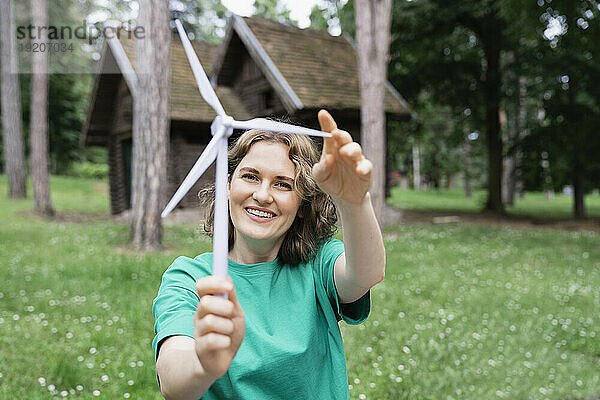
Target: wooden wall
253,88
183,153
188,140
116,176
120,132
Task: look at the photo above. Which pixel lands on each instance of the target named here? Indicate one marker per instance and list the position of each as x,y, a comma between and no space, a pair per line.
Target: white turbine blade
204,161
221,222
275,126
206,89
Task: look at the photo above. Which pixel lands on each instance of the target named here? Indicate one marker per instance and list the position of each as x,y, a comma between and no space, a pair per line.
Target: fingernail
227,286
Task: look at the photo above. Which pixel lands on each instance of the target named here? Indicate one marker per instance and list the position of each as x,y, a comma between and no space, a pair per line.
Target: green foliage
89,170
204,19
274,10
439,60
68,94
67,112
317,17
336,16
464,312
569,96
436,65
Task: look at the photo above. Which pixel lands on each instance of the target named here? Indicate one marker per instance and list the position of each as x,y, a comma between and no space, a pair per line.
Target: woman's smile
259,214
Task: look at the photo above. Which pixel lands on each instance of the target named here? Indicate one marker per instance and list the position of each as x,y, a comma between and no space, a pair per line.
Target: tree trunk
521,124
388,175
14,155
151,126
38,133
576,117
416,157
373,21
492,46
437,172
577,142
578,192
509,138
466,153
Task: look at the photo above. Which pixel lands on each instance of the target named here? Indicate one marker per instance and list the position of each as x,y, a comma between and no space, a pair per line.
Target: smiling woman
276,335
262,203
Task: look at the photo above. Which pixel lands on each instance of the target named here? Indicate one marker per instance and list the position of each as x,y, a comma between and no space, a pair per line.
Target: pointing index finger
327,124
326,121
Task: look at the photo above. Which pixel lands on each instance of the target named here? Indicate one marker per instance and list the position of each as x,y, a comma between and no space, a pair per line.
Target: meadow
533,204
465,312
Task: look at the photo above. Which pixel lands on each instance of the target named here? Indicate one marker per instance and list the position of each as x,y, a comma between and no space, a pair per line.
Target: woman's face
262,200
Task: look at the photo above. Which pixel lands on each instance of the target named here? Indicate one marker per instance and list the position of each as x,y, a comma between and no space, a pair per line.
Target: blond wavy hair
316,216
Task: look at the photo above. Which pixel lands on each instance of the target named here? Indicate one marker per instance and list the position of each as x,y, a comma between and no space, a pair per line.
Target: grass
465,312
533,204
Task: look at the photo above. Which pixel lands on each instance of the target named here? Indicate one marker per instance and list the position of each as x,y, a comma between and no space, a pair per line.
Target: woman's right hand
219,325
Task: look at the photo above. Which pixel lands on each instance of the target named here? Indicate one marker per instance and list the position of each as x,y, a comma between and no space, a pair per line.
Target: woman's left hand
343,172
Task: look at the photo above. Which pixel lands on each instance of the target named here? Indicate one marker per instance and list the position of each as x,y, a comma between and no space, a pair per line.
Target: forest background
498,88
476,305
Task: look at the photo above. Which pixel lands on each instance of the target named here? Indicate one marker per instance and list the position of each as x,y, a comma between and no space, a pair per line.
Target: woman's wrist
351,206
200,373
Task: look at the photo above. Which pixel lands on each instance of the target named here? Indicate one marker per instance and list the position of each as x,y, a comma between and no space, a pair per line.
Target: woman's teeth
259,213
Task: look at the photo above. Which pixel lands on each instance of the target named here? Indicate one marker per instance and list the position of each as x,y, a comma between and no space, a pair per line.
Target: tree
68,93
38,135
373,20
578,106
14,155
151,125
562,147
493,30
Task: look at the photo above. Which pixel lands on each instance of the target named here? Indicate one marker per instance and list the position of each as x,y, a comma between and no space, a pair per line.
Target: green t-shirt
293,347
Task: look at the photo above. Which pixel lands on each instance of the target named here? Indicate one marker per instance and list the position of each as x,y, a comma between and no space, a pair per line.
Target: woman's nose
262,194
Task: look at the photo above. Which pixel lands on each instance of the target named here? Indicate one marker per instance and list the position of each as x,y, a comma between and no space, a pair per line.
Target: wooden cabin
261,68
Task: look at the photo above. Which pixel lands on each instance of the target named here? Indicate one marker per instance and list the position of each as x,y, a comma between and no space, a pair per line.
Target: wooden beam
123,62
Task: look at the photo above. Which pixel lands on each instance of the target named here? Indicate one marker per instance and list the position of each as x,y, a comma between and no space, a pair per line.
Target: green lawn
465,312
533,204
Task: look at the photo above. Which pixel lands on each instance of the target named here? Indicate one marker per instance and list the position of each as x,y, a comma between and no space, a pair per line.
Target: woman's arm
345,175
187,367
180,373
363,264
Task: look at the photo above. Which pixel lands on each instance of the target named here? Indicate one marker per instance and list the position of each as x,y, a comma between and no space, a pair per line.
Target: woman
276,335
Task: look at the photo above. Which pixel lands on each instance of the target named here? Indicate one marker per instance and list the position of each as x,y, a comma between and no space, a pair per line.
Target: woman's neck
253,251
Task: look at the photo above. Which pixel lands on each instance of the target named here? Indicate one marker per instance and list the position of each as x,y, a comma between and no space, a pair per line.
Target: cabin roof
308,68
186,102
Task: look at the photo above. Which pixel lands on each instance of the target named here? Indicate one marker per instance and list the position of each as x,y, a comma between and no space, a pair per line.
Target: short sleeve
176,302
352,313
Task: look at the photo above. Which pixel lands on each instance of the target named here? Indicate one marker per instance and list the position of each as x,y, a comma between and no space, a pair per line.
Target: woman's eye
249,176
284,185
